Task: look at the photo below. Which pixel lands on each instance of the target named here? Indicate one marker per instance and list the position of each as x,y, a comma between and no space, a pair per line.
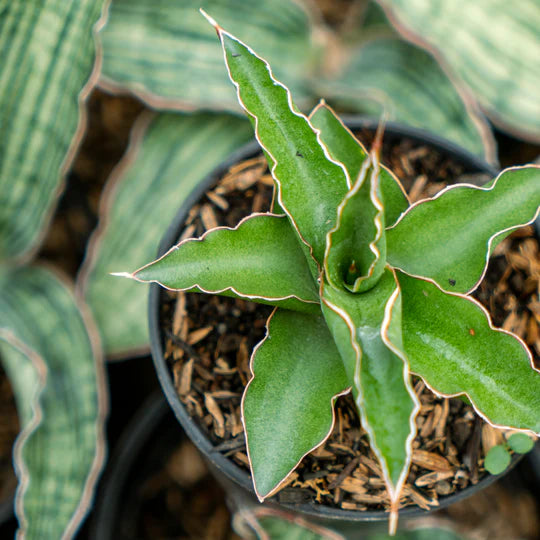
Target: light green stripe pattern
67,446
176,152
493,46
388,73
47,51
167,54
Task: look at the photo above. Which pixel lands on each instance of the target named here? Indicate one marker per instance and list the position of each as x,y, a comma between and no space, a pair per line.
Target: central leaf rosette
367,289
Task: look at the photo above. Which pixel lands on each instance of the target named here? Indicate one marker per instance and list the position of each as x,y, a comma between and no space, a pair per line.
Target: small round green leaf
520,443
497,460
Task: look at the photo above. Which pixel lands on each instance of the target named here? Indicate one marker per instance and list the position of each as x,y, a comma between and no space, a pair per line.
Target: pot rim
134,438
393,130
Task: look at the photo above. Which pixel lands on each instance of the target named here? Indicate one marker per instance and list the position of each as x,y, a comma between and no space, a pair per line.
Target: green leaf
47,52
297,374
167,157
389,74
489,46
259,260
463,222
165,53
344,147
356,248
497,459
520,443
367,331
47,348
310,184
451,344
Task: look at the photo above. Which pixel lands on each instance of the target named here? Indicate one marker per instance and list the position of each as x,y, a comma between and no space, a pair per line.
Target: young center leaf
367,331
452,345
260,260
448,238
299,163
356,247
287,407
344,147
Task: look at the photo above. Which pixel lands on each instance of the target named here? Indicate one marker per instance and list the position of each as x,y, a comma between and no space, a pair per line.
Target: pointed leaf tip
210,19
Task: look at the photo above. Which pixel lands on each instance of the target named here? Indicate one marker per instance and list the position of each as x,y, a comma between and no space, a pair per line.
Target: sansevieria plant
368,289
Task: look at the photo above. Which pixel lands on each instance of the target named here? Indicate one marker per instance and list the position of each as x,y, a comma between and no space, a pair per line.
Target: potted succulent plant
368,289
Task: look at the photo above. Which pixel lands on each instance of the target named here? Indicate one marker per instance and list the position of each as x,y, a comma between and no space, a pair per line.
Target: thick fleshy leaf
490,46
356,248
451,344
301,166
165,53
167,157
387,73
260,260
344,147
367,331
47,52
463,221
47,347
297,373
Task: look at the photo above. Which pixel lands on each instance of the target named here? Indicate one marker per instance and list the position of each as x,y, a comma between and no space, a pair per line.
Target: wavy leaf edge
494,328
110,191
490,240
20,466
30,252
260,497
90,485
372,160
393,491
221,32
218,291
322,104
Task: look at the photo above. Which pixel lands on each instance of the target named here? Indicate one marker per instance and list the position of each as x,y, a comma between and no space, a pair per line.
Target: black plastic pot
146,443
236,479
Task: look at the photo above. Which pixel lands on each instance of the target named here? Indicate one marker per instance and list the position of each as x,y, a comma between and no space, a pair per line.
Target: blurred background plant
459,69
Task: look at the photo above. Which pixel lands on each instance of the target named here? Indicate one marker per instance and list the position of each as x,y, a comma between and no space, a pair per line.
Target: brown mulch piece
9,429
209,340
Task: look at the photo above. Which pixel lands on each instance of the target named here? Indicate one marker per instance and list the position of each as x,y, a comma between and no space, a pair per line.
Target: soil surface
209,340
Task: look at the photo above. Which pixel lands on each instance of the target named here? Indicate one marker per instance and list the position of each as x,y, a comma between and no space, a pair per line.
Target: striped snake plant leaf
48,52
297,375
51,354
259,260
367,331
491,47
344,147
451,343
300,164
167,157
388,74
164,52
464,221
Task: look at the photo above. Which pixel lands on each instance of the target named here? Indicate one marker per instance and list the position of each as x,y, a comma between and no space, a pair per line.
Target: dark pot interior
237,479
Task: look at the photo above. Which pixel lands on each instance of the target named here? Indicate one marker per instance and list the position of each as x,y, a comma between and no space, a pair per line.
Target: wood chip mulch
209,339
